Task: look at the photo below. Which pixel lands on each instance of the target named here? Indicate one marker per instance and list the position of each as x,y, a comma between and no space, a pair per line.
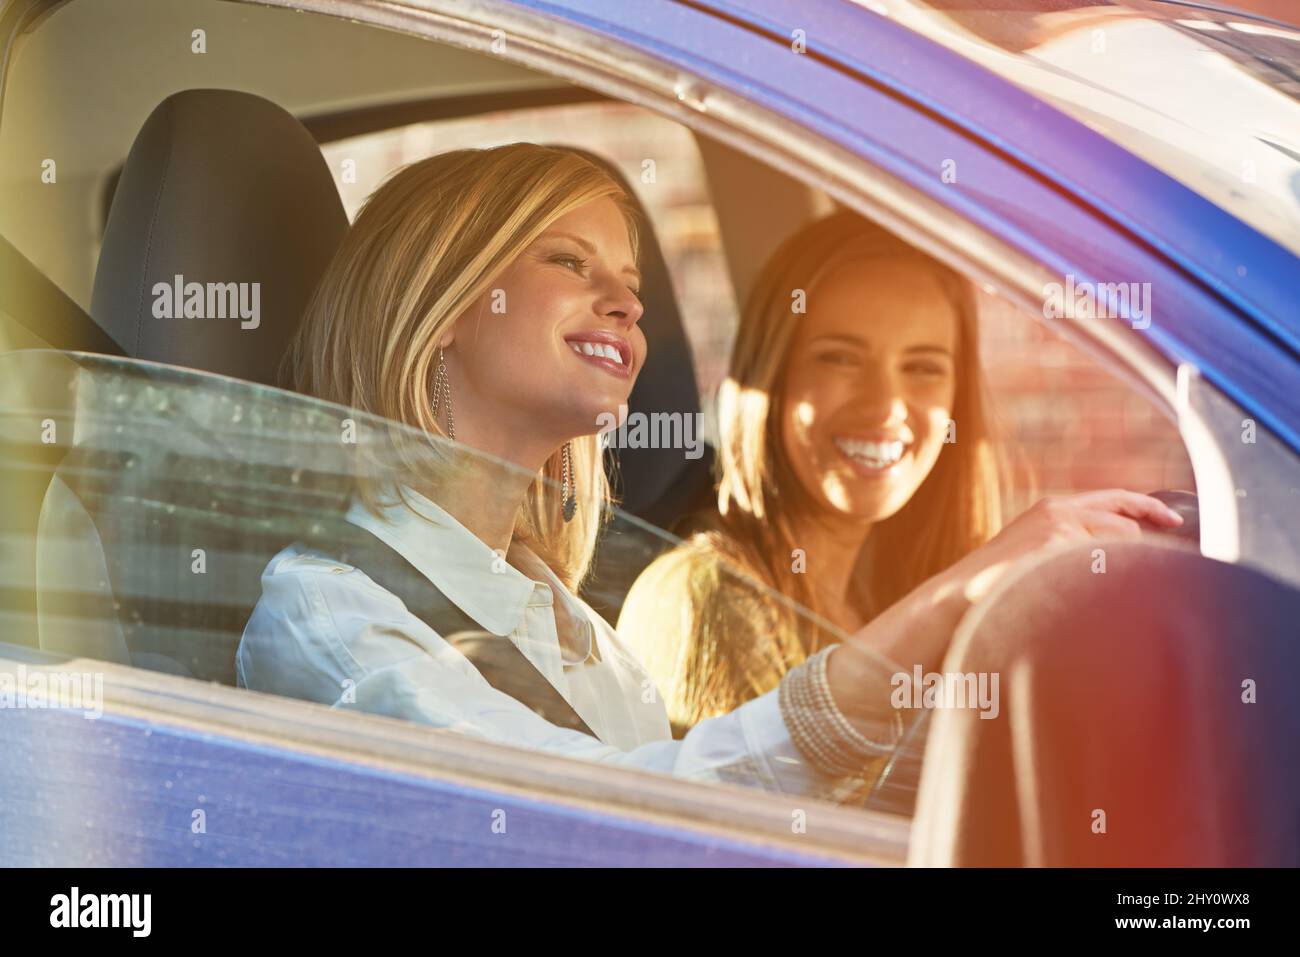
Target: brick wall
1068,423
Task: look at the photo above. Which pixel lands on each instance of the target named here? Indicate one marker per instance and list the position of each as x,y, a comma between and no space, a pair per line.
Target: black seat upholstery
219,187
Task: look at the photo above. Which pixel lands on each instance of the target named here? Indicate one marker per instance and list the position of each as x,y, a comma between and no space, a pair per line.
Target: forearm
913,631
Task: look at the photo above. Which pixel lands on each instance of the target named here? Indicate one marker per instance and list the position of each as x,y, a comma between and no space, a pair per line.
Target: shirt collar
472,576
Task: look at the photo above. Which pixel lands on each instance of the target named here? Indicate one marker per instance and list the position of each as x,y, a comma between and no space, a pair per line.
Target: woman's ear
447,339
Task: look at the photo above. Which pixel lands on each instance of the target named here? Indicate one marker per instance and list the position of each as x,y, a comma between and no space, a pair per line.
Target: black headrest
644,476
219,187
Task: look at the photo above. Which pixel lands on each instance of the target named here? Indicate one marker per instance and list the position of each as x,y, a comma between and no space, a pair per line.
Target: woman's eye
570,262
926,368
838,358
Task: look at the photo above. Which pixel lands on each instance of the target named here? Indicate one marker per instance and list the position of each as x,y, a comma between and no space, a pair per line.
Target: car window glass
171,493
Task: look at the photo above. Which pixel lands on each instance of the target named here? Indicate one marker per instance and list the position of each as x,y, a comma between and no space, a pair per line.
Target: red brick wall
1069,423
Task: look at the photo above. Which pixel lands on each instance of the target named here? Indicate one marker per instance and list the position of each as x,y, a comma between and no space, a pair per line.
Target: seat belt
496,658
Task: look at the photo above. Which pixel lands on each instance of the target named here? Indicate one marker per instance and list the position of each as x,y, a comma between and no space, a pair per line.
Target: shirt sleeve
329,634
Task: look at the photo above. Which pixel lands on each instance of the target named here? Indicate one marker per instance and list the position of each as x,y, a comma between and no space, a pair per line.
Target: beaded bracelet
820,731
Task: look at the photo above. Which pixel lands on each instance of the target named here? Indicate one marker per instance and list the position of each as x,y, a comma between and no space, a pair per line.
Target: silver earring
568,503
442,395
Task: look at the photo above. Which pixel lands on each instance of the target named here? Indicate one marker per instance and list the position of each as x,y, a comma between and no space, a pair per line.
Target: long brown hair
955,510
426,244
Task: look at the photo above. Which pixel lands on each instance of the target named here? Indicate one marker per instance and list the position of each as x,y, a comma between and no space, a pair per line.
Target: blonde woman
488,299
855,463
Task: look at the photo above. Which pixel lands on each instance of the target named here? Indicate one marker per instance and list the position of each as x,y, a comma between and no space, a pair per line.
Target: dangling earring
442,395
568,503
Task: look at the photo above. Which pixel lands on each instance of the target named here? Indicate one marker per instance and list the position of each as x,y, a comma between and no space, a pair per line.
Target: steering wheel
1186,505
895,790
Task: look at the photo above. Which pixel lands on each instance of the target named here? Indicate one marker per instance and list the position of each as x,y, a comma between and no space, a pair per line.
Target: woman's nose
621,304
880,396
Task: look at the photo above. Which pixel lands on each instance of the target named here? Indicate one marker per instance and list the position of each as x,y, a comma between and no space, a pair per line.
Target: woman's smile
604,350
874,457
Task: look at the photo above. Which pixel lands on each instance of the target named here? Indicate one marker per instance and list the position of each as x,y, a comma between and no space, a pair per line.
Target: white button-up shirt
323,631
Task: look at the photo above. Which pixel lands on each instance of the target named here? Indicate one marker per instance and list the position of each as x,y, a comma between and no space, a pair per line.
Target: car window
1068,424
178,500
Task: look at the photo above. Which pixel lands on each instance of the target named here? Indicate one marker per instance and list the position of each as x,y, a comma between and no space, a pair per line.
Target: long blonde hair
955,510
425,245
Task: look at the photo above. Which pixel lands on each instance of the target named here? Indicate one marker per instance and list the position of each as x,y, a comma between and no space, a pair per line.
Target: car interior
270,206
187,141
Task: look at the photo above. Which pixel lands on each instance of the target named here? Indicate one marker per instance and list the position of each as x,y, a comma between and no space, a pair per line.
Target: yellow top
709,633
712,637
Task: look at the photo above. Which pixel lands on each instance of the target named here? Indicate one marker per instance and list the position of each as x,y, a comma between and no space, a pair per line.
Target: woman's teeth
876,455
597,349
